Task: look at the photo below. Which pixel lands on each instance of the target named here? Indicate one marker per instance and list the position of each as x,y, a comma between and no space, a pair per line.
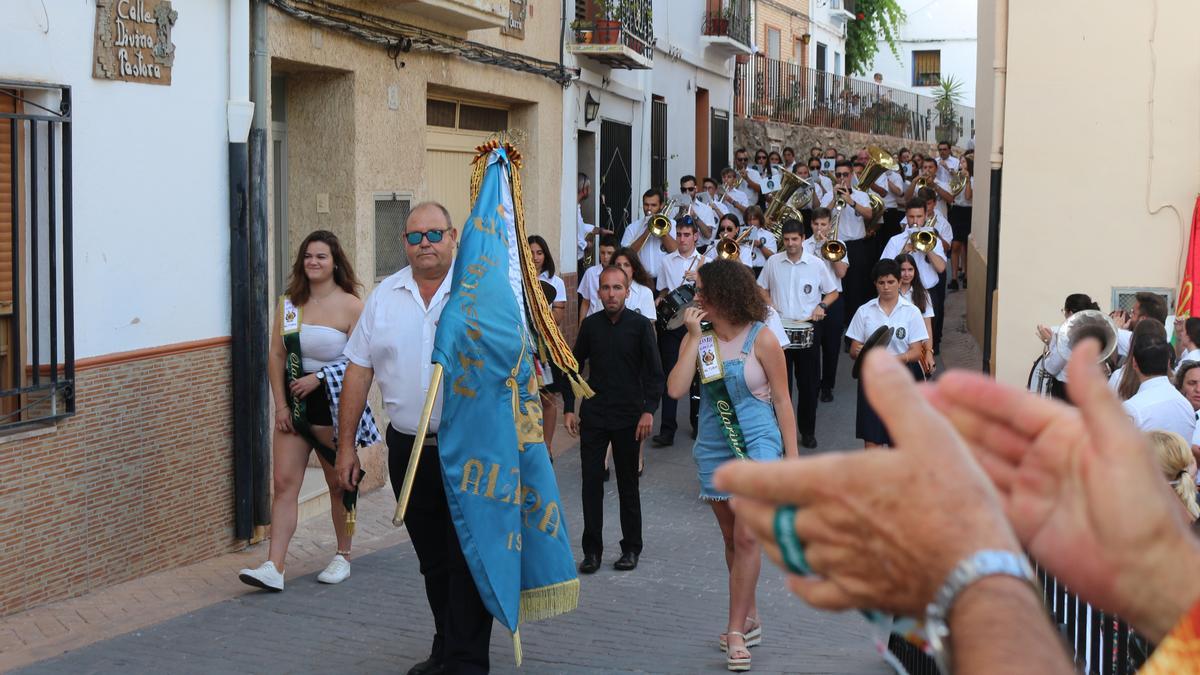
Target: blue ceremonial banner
498,478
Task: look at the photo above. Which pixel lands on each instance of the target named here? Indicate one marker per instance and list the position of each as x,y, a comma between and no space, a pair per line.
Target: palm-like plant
949,93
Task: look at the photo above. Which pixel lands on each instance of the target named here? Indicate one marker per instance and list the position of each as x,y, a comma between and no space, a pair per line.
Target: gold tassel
351,519
517,646
580,386
549,601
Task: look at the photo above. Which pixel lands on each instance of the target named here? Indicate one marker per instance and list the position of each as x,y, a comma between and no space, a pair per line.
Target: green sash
712,378
293,370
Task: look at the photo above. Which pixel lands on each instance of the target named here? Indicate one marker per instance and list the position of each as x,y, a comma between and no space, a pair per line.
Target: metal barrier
779,91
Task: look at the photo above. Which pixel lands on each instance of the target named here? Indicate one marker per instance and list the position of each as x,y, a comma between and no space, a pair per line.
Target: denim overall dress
756,417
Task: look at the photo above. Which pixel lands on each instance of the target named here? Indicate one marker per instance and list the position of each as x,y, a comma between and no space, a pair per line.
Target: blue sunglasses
414,238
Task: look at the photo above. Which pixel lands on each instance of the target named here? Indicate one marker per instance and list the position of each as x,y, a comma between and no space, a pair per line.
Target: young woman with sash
912,290
544,261
305,366
745,413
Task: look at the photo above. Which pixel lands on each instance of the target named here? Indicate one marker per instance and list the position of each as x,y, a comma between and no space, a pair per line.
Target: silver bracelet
974,567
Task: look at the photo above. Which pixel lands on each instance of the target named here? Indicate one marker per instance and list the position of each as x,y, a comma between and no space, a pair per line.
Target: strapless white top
320,346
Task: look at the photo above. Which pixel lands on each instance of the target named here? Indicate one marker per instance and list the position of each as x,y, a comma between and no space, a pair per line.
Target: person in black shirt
627,377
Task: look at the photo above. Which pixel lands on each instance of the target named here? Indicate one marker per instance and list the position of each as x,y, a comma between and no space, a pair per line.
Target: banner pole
410,474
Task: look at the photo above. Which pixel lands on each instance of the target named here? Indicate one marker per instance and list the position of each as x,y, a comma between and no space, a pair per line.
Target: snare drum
800,334
670,310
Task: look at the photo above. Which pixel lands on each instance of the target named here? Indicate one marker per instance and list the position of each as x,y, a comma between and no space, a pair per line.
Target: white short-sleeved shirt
940,225
943,172
796,286
812,247
393,323
1124,337
709,215
886,181
741,196
582,230
1193,355
652,251
850,224
560,288
757,259
929,275
928,313
673,267
1158,406
961,198
905,319
941,206
775,325
753,174
589,285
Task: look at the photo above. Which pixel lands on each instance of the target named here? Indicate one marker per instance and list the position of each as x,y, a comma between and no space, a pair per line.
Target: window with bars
391,214
927,68
1125,297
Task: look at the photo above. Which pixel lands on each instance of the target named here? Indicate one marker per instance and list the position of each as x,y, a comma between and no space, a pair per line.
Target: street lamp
591,109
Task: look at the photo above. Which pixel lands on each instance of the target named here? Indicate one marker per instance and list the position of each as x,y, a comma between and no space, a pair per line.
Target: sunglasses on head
414,238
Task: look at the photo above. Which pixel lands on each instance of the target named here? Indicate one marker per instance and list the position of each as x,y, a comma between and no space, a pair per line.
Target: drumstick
689,269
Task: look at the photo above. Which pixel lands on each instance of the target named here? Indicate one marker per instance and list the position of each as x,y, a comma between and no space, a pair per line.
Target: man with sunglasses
751,180
392,344
702,214
852,219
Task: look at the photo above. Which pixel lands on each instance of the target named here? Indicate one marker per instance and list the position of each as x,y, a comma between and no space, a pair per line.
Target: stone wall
753,134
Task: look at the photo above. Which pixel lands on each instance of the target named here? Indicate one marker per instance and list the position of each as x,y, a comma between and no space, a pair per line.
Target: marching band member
889,309
929,265
805,173
829,330
649,247
702,214
852,229
947,164
749,175
890,186
1054,364
719,208
675,270
1188,331
760,239
801,287
589,285
743,372
960,223
940,188
736,199
823,182
544,261
907,171
789,159
913,290
729,228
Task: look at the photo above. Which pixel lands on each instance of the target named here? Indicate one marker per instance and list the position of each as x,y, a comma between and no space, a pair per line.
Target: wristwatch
320,375
984,563
822,305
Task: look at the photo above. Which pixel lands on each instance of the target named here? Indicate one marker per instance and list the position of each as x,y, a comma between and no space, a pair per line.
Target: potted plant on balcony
949,94
608,21
583,31
718,21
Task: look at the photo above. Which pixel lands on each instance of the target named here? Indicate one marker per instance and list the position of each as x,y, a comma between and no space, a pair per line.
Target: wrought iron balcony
462,14
727,26
617,33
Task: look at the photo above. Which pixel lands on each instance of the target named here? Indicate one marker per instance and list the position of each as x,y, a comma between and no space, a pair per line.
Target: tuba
660,223
879,163
778,210
1085,324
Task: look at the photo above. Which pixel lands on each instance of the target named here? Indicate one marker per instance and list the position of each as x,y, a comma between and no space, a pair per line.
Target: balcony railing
778,91
730,20
620,35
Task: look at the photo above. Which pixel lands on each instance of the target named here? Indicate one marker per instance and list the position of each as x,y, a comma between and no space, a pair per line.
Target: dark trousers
804,374
857,285
669,342
593,445
938,295
829,341
462,625
891,227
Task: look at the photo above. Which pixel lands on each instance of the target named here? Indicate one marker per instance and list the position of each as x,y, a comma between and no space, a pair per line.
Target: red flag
1188,304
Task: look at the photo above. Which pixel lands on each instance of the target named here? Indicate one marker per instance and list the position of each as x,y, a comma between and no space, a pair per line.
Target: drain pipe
999,87
259,298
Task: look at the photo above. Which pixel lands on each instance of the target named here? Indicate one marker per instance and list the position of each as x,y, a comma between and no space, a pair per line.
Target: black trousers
804,375
891,227
462,625
593,445
857,285
938,295
669,342
829,342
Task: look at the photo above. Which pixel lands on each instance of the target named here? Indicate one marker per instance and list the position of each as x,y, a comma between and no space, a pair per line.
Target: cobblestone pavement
663,617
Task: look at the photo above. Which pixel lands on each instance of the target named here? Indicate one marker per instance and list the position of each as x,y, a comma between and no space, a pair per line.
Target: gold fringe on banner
547,601
549,338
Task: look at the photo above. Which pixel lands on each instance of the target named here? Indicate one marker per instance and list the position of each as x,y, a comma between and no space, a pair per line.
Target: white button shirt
812,247
757,259
652,252
886,181
1193,355
940,225
707,214
1158,406
673,267
797,286
850,224
905,319
395,321
928,313
753,174
944,171
582,230
929,276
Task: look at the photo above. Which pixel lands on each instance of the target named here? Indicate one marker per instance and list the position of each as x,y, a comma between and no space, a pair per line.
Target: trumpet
921,181
660,223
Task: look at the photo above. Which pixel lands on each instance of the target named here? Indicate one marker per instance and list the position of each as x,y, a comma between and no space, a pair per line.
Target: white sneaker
336,572
265,576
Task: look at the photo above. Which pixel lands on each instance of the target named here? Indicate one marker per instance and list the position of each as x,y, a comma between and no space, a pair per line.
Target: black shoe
662,440
826,396
953,285
607,474
808,441
962,281
591,563
429,666
626,562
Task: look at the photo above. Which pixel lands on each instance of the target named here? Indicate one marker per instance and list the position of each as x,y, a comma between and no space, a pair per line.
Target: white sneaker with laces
264,576
336,572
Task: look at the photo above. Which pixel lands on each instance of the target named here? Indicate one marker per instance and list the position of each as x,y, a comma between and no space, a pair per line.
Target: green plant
876,19
580,24
949,93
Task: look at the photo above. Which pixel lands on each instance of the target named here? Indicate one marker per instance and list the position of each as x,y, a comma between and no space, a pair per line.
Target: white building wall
946,25
829,31
151,232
